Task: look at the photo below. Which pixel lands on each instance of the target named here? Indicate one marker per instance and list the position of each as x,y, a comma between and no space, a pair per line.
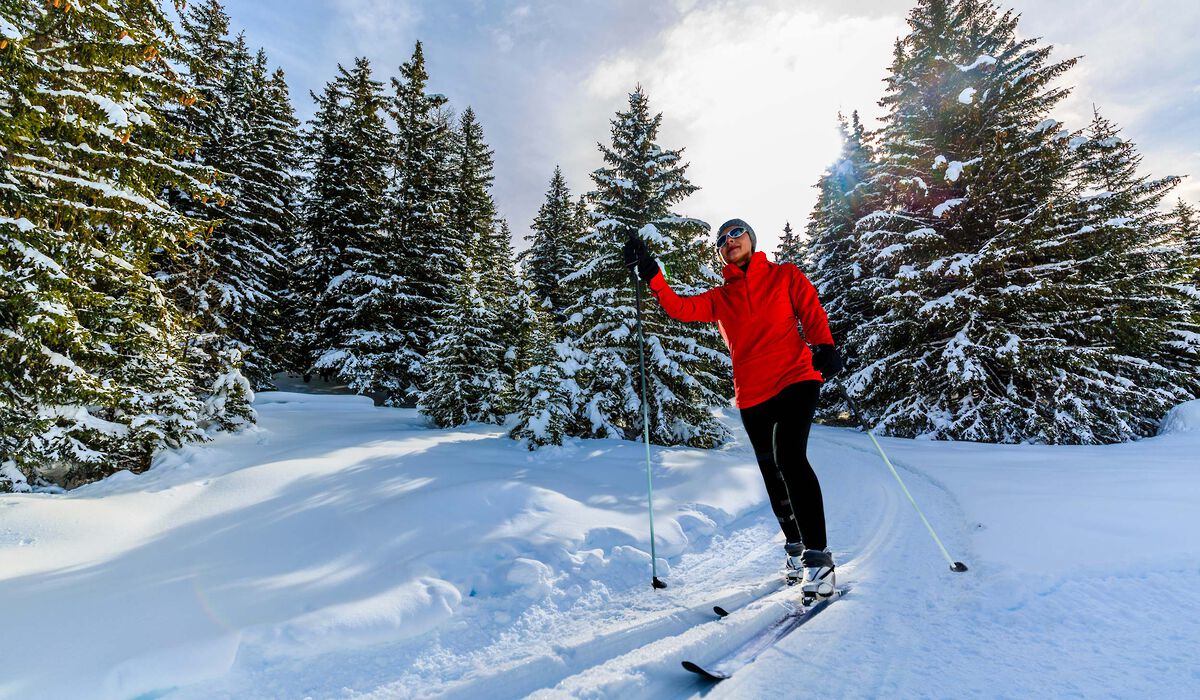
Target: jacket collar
758,261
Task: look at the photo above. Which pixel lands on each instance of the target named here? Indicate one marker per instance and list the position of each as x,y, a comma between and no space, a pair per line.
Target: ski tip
700,671
958,567
657,583
721,612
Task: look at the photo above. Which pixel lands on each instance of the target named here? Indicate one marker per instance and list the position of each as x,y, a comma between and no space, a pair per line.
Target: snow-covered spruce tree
1125,243
455,389
429,251
1186,225
829,254
489,247
687,375
974,333
790,248
205,279
91,373
511,303
359,297
231,279
548,259
543,404
269,196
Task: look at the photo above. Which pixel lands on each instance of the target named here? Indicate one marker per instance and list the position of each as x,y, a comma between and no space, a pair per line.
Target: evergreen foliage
991,264
687,373
232,280
359,297
544,406
549,258
790,248
1186,290
486,248
93,375
460,384
432,252
830,254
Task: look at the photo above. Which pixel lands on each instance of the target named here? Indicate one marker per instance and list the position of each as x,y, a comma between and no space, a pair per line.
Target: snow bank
407,610
1184,418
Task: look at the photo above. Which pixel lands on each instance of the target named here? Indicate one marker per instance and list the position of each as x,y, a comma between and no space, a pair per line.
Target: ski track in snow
569,624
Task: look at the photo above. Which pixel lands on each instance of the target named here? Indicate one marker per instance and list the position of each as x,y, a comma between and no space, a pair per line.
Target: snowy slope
344,550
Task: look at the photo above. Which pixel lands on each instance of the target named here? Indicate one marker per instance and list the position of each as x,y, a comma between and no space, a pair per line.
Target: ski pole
655,582
956,566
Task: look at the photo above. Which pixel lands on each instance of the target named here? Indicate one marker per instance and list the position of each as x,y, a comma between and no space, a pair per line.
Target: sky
751,90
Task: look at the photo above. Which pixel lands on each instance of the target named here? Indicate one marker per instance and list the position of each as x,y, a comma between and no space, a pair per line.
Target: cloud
1139,64
366,25
752,93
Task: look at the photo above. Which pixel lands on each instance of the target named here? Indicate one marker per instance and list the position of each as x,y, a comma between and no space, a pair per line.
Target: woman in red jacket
776,379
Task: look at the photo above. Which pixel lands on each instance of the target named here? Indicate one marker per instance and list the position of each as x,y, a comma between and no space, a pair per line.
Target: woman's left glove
826,360
637,254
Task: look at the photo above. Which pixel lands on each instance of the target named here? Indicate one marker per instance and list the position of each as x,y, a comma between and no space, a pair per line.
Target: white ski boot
813,570
793,566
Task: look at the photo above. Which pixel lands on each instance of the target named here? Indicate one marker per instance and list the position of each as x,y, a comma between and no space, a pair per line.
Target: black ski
724,667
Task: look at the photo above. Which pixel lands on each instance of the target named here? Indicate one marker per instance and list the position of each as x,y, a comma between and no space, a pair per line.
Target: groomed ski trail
632,644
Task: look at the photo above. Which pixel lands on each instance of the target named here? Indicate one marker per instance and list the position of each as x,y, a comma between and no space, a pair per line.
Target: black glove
638,255
826,360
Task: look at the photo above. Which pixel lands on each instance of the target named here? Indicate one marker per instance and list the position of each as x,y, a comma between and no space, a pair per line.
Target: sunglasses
731,233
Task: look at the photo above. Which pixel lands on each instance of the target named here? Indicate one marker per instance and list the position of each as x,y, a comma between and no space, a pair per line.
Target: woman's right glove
826,360
638,255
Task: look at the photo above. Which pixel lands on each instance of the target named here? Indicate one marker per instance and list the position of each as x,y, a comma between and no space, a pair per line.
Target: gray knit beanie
734,223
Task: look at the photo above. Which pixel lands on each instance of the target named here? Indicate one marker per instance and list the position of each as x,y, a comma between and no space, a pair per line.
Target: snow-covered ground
340,550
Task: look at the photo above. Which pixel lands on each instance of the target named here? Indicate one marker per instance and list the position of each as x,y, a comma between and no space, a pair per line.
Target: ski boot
818,579
793,566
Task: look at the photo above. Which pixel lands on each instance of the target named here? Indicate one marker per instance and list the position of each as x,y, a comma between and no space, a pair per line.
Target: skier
776,379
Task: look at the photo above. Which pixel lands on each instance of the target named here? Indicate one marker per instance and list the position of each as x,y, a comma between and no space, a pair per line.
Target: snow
8,31
36,257
983,60
954,169
1184,418
967,96
339,549
23,225
940,210
1044,125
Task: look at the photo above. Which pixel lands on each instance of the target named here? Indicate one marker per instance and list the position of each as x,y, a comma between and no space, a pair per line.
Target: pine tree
488,245
790,248
544,407
511,304
431,251
205,38
261,159
1186,226
1124,243
980,329
353,268
92,378
686,372
456,390
830,254
549,259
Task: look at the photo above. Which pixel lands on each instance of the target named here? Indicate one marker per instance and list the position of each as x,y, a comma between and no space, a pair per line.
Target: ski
794,617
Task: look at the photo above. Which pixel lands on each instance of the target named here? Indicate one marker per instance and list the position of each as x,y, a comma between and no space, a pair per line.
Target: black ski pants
778,430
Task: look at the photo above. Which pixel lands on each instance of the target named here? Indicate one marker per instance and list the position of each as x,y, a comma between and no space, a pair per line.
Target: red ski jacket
756,311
